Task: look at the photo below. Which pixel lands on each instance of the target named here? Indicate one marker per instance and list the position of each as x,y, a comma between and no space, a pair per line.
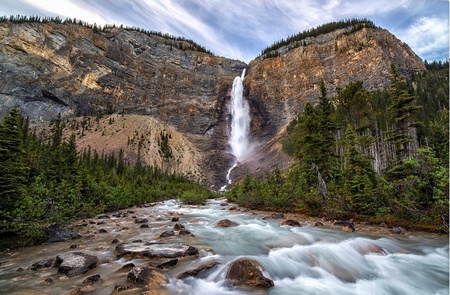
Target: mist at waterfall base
300,260
240,125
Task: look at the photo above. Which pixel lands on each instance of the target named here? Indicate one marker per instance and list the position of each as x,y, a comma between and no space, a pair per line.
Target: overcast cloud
242,28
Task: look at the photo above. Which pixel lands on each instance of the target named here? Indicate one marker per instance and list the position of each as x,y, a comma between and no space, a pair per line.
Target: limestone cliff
279,87
154,83
48,69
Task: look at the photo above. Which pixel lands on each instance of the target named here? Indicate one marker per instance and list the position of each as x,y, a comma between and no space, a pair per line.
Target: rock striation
153,82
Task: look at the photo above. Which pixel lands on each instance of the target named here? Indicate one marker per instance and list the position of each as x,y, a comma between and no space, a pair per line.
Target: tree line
353,25
379,157
106,28
45,182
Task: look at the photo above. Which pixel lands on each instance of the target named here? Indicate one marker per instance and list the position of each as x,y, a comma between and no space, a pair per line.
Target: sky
241,29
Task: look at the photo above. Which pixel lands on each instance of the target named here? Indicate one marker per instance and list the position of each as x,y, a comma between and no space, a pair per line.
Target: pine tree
13,171
401,108
359,177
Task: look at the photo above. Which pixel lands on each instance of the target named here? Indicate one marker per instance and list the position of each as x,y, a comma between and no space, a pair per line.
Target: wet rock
178,226
175,219
147,277
226,223
103,216
145,225
185,232
199,272
396,231
247,272
367,248
115,241
102,231
60,234
155,250
224,204
74,246
277,215
101,222
291,222
141,220
124,287
92,279
48,281
167,233
318,223
75,263
127,267
232,208
348,227
42,264
167,264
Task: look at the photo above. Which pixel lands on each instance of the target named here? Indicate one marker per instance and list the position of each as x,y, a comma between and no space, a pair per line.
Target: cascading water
299,260
240,125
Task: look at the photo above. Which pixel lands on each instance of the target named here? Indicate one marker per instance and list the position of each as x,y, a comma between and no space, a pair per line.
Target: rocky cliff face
279,87
48,69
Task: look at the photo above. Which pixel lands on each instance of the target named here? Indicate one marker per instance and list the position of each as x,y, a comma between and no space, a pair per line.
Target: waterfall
240,122
240,125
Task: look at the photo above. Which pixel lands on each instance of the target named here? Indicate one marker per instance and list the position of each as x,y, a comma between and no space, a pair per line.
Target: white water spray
240,125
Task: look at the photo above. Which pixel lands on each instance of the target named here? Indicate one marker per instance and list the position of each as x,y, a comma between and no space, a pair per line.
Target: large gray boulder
75,263
155,250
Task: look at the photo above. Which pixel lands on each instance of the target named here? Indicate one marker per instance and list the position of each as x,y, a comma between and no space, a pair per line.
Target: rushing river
299,260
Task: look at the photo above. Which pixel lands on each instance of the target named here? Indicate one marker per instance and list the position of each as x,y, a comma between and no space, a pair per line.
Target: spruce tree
13,170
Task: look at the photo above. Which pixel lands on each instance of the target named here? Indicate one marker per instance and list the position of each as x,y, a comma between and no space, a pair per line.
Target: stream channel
299,260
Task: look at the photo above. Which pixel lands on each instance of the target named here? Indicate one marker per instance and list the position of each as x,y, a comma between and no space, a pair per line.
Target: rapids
299,260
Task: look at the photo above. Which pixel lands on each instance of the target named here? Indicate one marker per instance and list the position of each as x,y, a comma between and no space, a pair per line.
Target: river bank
306,258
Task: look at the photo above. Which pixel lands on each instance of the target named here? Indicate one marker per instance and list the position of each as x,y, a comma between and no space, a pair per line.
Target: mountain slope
48,69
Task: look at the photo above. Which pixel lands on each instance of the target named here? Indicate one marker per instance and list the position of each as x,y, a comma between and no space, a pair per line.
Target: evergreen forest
367,156
45,183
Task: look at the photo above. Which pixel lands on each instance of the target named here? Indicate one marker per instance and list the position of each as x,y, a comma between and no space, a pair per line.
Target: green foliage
45,182
362,158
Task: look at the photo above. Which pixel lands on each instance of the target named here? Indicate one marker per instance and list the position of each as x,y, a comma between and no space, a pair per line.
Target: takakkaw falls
178,122
240,125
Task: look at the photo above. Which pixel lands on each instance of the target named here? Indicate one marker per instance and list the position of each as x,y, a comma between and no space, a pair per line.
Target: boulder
291,222
155,250
167,233
75,263
92,279
199,271
247,272
185,232
318,223
167,264
123,288
396,231
175,219
147,277
178,226
60,234
348,227
141,220
277,215
226,223
42,264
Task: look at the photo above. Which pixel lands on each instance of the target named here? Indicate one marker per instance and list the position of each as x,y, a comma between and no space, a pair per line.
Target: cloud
427,35
241,29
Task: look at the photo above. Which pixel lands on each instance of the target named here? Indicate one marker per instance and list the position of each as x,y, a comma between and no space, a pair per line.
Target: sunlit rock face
278,88
50,69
